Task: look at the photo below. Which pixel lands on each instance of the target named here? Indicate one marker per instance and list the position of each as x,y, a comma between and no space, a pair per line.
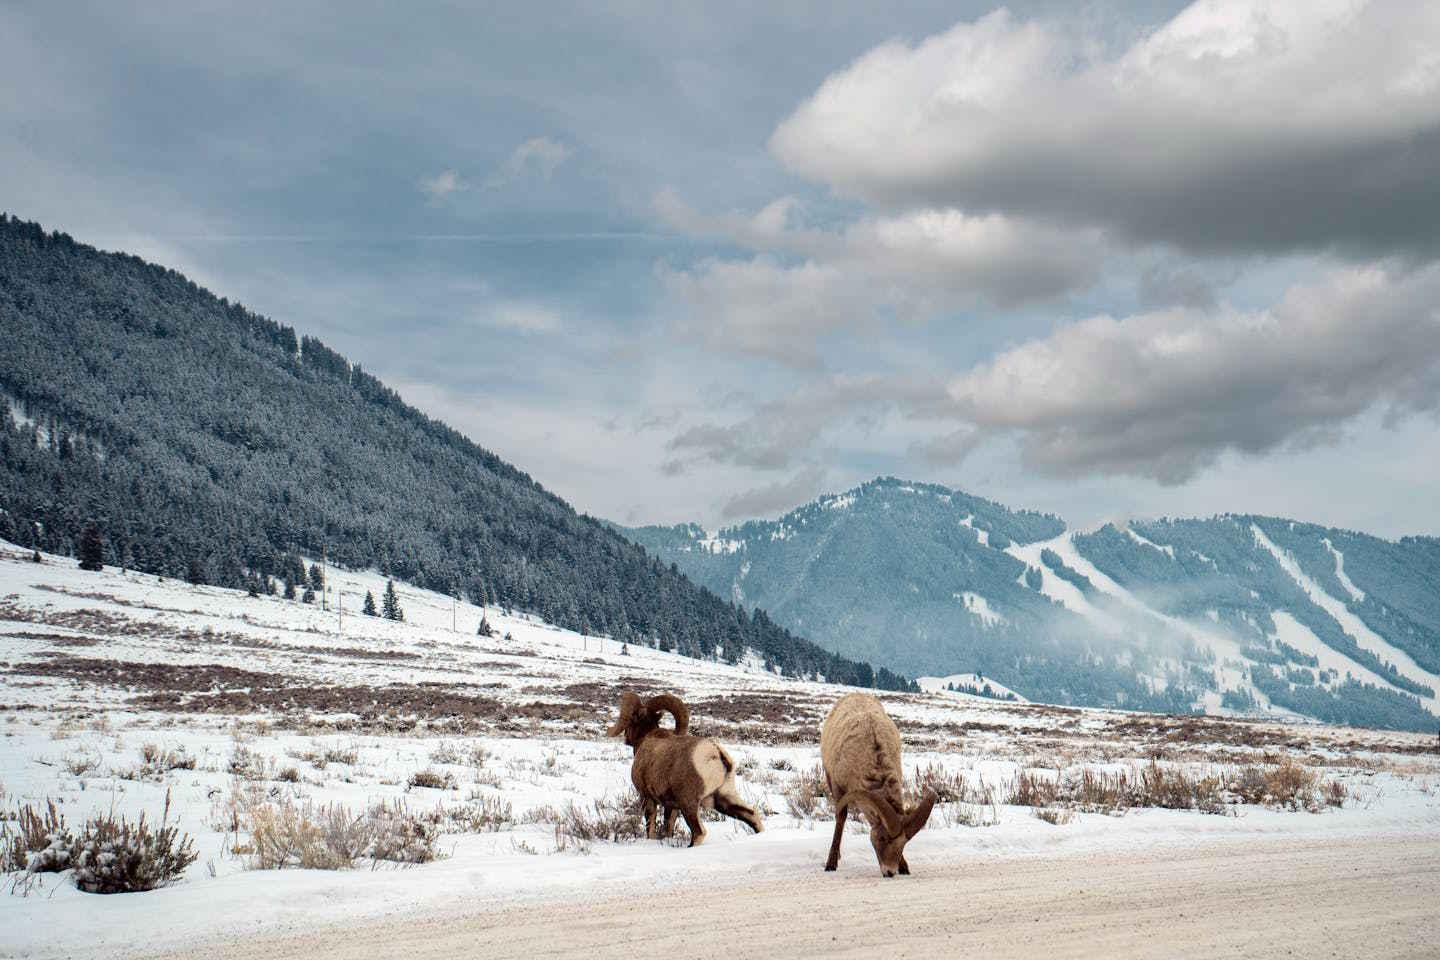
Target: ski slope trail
1366,638
1369,898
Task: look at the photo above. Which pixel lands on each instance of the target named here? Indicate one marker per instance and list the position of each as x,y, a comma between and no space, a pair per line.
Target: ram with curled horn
675,770
860,752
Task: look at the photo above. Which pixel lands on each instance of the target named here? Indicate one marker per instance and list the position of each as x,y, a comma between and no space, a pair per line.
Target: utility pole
340,600
324,579
454,624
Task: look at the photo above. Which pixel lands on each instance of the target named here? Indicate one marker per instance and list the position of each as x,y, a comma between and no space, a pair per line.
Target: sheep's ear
918,817
629,703
877,805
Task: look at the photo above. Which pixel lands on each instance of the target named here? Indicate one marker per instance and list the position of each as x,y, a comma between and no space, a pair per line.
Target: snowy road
1373,898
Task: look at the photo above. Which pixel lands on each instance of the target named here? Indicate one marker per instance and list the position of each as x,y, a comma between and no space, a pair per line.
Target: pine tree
289,589
392,603
92,549
317,579
484,630
308,596
253,588
36,558
196,573
369,609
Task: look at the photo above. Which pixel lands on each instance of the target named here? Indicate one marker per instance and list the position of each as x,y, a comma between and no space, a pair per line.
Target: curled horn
918,817
676,708
879,805
629,703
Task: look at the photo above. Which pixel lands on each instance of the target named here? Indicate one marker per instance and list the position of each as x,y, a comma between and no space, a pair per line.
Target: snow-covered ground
98,667
963,682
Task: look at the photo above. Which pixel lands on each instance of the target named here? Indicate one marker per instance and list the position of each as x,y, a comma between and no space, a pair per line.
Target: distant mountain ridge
205,440
1231,614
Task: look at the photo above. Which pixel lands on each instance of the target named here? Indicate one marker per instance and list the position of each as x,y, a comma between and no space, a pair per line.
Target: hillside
124,694
1226,615
205,441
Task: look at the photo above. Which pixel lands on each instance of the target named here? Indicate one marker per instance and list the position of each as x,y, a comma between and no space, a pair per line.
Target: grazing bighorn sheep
675,770
860,751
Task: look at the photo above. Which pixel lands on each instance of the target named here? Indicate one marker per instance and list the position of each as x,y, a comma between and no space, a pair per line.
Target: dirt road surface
1351,899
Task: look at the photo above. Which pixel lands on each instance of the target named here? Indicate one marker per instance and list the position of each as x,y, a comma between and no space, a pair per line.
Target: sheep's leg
904,867
669,831
734,808
834,859
697,829
649,819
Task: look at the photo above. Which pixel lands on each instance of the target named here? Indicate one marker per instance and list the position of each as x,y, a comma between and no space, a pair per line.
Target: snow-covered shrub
111,855
247,764
398,836
33,841
58,852
445,752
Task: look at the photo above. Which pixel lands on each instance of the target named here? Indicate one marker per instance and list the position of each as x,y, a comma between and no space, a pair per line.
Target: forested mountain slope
205,440
1230,614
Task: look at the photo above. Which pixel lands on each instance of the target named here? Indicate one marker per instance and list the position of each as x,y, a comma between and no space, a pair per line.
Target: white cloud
764,308
540,155
872,272
523,317
1240,125
443,184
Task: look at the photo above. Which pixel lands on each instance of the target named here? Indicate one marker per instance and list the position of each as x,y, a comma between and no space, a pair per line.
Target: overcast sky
1144,259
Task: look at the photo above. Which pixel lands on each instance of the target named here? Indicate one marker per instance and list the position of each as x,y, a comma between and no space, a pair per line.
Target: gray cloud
948,449
1238,126
1164,394
781,433
1159,395
870,274
1175,287
775,497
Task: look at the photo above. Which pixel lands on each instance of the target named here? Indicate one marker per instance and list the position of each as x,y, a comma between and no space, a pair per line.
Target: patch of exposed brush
155,762
806,796
433,779
1286,784
608,819
284,833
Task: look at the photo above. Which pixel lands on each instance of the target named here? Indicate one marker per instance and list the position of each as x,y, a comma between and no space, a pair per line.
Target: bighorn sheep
675,770
860,751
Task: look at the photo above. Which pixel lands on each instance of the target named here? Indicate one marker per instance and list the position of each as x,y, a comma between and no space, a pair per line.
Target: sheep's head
638,718
890,829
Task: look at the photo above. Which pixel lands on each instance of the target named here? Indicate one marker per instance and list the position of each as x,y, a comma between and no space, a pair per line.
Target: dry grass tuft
612,819
433,779
284,833
806,796
1057,816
